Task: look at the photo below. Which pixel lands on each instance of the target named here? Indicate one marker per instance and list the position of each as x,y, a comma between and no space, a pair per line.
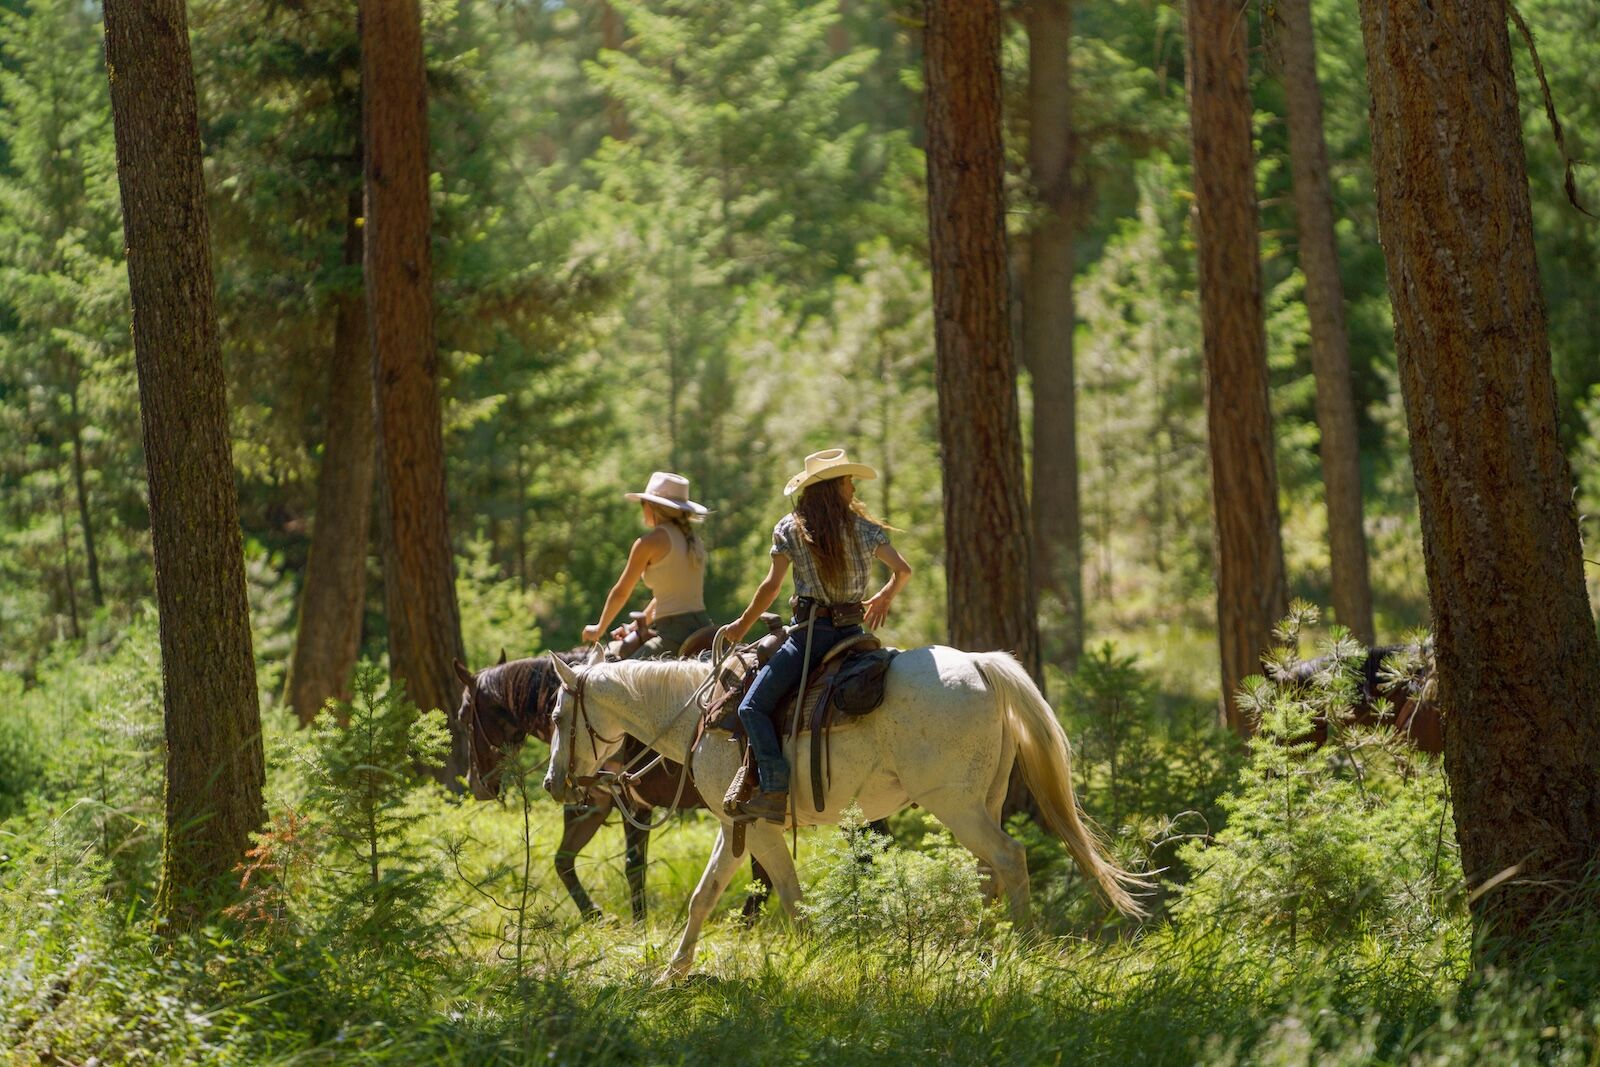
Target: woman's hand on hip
877,609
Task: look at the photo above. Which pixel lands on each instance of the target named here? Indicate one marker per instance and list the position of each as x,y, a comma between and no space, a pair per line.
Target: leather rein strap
617,783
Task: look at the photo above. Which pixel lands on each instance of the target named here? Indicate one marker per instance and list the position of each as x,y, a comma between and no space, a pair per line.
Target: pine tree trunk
418,567
334,597
611,36
214,763
81,488
990,591
69,582
1251,592
1048,319
1518,662
1330,341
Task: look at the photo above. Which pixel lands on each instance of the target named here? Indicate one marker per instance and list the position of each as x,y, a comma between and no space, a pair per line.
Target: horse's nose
550,786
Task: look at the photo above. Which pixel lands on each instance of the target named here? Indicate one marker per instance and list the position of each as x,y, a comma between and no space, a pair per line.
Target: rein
616,783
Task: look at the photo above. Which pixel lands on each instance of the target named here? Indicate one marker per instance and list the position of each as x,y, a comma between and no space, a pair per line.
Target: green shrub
1327,844
913,906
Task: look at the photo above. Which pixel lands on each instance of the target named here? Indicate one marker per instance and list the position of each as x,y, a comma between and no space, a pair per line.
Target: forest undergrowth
1310,909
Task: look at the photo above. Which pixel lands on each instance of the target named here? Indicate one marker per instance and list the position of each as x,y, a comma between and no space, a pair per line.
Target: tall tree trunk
81,488
419,585
990,592
214,763
1330,341
1518,663
69,582
1251,592
611,35
334,598
1048,318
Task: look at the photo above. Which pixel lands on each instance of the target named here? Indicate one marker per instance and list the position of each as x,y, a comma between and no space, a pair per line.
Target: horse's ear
568,676
502,657
464,674
597,654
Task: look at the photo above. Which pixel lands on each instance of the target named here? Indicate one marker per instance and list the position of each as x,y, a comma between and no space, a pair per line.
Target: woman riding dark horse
507,703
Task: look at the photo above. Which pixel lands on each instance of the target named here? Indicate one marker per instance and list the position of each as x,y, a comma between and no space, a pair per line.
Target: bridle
581,714
617,783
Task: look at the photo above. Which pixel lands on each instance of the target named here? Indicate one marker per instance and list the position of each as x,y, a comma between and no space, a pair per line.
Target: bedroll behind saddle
849,681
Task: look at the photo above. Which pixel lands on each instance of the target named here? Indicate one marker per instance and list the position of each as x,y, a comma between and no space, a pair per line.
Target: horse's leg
757,897
579,824
768,848
638,855
995,804
713,883
979,832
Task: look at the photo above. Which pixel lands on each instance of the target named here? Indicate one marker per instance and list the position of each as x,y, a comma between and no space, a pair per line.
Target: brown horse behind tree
504,705
1403,676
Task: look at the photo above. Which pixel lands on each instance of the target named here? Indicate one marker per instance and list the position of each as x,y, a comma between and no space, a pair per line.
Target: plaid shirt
858,560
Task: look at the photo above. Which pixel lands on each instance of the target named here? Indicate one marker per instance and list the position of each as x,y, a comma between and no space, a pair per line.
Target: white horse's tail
1046,757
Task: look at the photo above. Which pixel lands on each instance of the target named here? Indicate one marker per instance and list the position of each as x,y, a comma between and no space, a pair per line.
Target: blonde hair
684,522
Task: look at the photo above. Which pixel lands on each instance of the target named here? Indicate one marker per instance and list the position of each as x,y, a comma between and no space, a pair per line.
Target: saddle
639,632
849,681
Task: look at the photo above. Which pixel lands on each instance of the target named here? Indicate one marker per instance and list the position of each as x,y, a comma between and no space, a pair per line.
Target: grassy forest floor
1334,933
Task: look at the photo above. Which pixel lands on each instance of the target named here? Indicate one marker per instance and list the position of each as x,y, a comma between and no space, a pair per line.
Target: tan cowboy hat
670,491
824,465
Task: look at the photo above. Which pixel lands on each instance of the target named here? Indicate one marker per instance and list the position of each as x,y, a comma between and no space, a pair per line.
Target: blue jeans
778,678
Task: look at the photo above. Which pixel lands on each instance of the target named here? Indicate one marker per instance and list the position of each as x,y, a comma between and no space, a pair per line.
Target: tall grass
465,949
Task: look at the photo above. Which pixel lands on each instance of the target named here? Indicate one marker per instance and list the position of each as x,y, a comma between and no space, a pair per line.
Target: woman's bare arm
646,550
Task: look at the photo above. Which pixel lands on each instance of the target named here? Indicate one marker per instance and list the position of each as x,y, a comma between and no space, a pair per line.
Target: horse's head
501,706
577,750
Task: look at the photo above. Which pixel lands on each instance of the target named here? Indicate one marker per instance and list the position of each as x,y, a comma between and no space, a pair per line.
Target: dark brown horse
504,705
1403,676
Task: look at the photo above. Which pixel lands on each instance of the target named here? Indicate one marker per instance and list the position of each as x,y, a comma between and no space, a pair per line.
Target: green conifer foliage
69,444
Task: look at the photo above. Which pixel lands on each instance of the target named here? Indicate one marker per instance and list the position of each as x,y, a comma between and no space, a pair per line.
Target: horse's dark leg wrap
580,822
638,857
758,896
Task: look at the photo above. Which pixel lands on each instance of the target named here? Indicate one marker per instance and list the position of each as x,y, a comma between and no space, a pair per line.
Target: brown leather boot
770,806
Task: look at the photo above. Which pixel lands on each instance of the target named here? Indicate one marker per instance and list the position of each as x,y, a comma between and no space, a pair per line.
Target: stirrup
773,807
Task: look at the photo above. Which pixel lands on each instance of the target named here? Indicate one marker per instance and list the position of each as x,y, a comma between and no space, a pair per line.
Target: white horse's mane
655,682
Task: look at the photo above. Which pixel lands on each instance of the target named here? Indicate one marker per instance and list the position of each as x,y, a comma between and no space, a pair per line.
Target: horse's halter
478,736
581,714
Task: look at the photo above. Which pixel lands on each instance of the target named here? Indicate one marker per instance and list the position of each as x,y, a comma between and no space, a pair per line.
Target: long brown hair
826,523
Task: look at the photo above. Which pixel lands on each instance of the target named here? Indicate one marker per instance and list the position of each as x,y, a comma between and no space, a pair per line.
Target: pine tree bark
334,597
1251,591
214,763
1330,340
1518,662
418,572
611,37
1048,318
990,591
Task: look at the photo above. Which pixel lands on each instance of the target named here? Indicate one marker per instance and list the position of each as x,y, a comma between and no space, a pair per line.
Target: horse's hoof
593,915
675,973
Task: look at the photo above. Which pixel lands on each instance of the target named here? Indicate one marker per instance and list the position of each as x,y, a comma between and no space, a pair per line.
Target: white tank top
678,579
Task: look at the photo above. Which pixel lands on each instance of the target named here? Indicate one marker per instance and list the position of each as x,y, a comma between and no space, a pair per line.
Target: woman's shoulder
871,533
656,542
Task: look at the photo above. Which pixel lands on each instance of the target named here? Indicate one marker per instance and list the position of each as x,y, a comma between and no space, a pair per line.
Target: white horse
949,729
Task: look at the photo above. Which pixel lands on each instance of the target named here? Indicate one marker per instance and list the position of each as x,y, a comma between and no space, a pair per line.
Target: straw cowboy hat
824,465
669,491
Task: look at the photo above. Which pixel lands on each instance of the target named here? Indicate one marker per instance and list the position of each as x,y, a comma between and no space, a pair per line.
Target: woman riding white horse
831,541
950,727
